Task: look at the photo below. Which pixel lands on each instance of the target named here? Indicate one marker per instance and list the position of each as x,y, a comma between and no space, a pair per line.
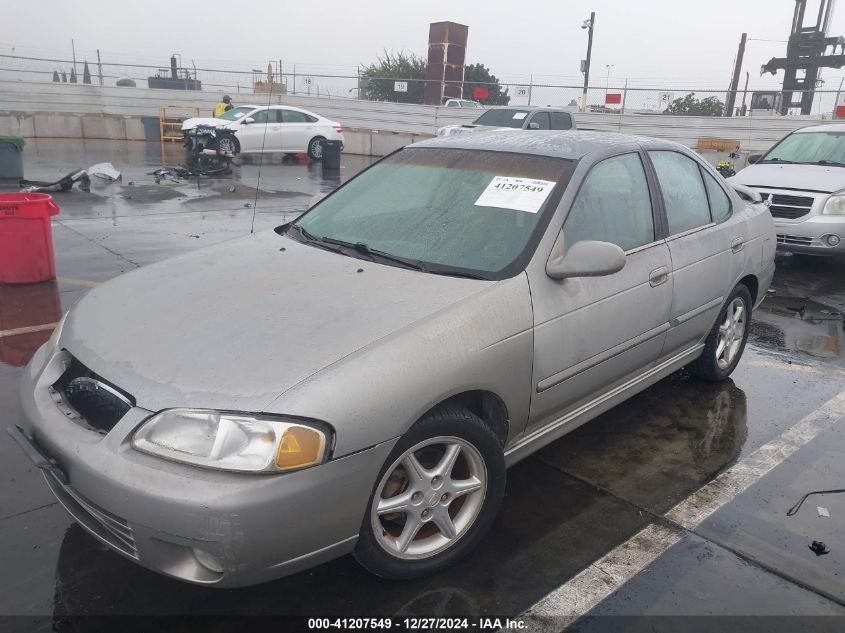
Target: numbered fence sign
521,91
307,80
400,86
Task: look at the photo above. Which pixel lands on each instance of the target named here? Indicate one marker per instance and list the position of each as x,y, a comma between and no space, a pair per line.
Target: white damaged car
275,128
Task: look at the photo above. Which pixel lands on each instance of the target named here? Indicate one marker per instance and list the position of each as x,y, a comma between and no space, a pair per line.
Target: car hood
816,178
235,325
188,124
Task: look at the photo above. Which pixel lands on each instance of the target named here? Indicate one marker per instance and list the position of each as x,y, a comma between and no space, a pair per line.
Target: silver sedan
359,380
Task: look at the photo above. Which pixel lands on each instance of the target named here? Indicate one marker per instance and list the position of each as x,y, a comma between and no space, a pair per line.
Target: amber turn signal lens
300,446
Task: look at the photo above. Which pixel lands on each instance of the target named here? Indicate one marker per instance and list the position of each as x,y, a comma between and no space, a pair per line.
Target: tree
377,80
478,75
689,105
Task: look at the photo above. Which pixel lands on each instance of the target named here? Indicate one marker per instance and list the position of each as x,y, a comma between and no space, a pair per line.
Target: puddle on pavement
26,306
660,445
799,324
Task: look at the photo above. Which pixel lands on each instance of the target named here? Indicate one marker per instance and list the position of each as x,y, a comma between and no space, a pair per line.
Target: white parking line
584,591
28,330
76,281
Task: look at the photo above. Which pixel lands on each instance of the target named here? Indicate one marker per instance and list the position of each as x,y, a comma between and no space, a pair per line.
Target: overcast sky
652,42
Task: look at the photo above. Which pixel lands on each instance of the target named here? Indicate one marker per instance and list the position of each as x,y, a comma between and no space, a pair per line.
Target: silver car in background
802,178
521,118
358,380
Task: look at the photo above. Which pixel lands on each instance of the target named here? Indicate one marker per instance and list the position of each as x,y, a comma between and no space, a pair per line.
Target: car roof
274,106
532,108
570,144
824,127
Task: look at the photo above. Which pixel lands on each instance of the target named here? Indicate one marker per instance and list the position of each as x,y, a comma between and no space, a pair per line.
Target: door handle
658,276
737,245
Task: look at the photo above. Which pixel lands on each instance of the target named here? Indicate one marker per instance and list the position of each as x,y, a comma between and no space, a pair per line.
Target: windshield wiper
833,163
361,247
313,239
329,243
777,160
448,272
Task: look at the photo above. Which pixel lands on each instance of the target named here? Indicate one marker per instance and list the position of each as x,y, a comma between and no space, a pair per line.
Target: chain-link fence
347,83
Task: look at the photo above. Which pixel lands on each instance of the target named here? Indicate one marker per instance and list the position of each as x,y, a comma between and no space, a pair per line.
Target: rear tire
724,345
441,508
315,148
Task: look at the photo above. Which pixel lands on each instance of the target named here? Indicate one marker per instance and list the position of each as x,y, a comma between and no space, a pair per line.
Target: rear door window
720,204
561,121
541,119
683,190
292,116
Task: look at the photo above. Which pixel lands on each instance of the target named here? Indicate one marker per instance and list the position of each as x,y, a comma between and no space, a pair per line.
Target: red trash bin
26,238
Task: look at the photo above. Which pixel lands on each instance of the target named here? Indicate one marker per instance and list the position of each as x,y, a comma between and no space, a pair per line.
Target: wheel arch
488,406
751,282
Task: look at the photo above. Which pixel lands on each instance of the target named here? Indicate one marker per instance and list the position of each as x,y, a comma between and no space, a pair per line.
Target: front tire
724,345
436,496
315,148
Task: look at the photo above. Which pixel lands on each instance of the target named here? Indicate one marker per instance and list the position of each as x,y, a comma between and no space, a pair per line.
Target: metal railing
626,98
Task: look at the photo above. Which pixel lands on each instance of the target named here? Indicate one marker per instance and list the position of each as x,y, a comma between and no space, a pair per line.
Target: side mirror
754,158
585,259
533,125
314,200
248,119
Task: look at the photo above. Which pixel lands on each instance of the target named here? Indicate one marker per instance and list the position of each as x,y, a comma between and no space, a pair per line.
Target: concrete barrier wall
38,110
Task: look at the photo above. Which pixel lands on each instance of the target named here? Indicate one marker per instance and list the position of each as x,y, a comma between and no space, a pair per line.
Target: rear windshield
503,117
458,210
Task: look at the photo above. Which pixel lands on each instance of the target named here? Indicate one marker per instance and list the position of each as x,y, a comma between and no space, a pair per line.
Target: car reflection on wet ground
566,507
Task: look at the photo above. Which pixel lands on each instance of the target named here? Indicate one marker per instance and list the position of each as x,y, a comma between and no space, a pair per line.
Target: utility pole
742,110
729,106
73,48
99,67
589,25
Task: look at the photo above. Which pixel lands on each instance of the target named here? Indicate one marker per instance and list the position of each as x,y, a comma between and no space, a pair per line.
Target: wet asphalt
565,507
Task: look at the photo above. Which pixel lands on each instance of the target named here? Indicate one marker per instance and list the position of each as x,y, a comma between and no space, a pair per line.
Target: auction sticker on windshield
520,194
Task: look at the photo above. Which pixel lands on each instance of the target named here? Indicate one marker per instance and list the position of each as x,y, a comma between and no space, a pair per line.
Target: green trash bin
11,157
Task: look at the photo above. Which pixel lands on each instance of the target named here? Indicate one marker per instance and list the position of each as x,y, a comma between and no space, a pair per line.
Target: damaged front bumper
198,525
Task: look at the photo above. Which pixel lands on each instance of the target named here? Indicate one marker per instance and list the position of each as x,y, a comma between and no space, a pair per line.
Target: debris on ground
794,509
181,172
823,512
819,548
106,171
65,183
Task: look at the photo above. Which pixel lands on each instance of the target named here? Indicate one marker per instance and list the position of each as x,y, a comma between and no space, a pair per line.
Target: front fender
484,342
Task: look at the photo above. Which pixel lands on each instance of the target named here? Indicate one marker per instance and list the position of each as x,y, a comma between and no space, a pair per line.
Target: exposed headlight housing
835,204
239,442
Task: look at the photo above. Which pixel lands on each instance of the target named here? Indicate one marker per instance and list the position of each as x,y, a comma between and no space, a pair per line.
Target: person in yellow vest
223,105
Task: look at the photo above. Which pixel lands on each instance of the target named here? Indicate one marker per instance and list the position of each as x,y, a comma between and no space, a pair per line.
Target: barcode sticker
520,194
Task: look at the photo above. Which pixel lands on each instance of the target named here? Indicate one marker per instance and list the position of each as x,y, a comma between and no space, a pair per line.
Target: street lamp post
607,81
589,25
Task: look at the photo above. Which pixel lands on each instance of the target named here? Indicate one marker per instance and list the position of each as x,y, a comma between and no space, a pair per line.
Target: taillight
338,128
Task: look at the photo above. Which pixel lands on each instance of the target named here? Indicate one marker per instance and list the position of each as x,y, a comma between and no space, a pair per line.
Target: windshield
809,147
235,113
503,117
445,209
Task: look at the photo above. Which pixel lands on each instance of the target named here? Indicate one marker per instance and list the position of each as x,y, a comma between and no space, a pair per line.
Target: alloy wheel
731,333
429,498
